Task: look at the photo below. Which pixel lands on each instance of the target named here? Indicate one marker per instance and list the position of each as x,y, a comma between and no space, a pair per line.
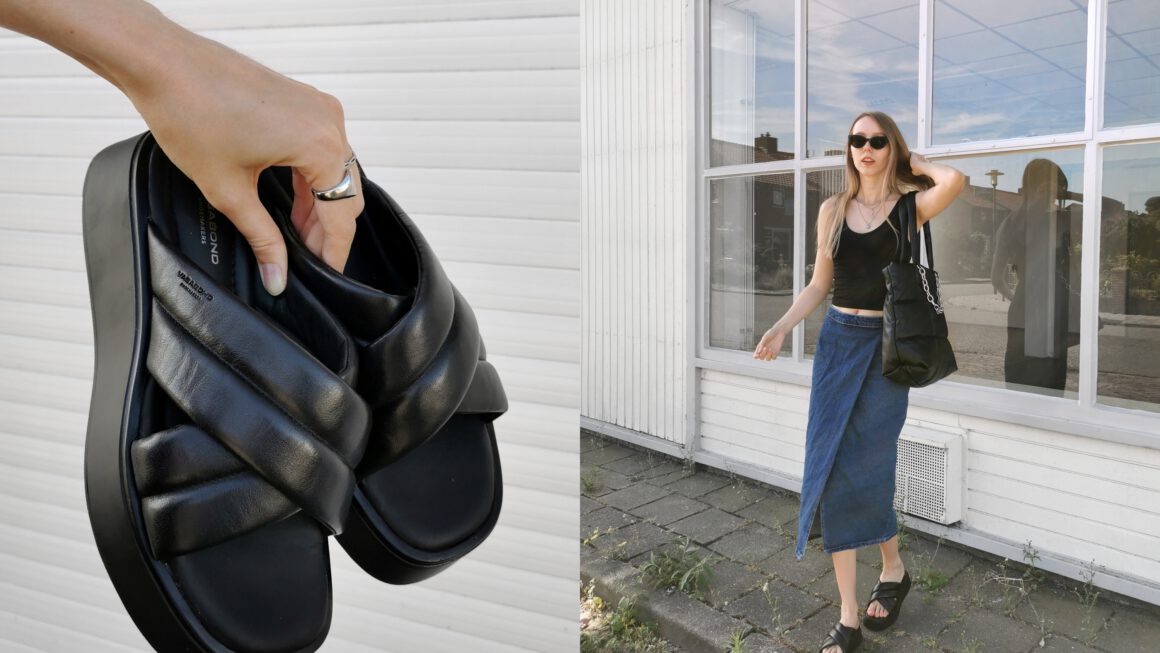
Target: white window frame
1080,416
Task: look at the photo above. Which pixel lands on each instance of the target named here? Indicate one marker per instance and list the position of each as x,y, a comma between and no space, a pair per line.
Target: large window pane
751,258
1129,335
820,184
1007,251
1007,69
752,81
861,54
1132,78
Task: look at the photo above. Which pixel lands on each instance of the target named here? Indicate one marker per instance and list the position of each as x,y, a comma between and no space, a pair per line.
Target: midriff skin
858,311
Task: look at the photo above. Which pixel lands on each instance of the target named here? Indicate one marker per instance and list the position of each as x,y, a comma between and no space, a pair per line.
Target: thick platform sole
380,552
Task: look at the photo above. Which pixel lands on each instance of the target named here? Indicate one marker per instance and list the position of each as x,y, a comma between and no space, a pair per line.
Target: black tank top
858,280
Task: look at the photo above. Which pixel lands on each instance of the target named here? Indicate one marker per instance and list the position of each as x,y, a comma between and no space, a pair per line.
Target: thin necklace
862,211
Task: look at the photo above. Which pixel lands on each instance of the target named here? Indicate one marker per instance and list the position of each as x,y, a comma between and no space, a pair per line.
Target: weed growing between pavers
774,609
595,535
608,629
735,643
925,575
1017,589
1087,598
678,568
589,481
972,646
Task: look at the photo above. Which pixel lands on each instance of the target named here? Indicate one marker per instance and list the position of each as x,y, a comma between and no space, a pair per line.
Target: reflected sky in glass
751,75
1132,78
861,55
1006,69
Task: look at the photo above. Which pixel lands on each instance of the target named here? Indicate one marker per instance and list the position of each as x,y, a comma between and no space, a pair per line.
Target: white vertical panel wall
467,111
633,208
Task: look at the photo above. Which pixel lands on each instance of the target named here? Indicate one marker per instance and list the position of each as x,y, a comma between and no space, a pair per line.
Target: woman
855,413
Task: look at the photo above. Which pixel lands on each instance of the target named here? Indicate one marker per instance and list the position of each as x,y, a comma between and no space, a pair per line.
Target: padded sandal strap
274,429
183,513
427,403
428,363
259,351
885,591
485,397
843,637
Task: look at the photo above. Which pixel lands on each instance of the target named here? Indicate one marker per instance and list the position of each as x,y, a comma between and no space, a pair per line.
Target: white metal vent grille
928,480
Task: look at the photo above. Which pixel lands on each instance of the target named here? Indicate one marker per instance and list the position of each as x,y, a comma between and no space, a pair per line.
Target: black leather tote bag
915,348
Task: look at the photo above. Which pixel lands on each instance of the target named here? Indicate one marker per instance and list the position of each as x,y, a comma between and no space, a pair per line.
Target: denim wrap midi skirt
855,417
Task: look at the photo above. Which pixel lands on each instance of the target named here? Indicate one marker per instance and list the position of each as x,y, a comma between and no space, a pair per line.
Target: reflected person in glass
1033,269
856,414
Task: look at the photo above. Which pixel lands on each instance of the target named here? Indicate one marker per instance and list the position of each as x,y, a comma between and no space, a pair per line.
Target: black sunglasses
876,142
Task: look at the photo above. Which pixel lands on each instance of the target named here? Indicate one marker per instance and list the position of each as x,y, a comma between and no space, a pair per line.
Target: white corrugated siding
468,113
633,171
1070,496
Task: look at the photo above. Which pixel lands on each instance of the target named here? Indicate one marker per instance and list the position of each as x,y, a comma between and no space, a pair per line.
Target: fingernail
273,278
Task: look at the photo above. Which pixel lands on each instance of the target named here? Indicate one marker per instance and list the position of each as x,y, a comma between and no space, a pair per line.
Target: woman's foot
850,621
889,575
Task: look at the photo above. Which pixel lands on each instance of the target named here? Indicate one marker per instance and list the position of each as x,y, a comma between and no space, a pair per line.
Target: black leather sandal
429,486
223,429
890,595
844,637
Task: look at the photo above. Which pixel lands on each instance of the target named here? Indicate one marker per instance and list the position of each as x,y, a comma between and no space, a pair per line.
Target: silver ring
342,189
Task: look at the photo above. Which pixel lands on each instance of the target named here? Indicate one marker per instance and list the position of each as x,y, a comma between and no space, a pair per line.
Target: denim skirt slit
854,419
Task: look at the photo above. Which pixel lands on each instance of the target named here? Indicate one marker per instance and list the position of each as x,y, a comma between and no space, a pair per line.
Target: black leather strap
274,430
908,226
421,356
840,635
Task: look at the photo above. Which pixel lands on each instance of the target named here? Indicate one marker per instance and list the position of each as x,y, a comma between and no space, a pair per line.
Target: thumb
253,221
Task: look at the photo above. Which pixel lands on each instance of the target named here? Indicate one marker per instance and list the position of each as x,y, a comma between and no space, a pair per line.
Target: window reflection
1036,268
1007,251
1129,337
1008,69
752,69
751,258
861,54
1132,72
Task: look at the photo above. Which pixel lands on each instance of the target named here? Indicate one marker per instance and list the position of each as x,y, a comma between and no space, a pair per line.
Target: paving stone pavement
636,504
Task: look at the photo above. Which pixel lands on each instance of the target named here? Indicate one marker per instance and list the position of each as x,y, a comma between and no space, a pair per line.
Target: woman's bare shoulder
828,209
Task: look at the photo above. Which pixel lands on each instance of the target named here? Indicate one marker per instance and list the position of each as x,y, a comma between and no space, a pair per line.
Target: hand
917,161
222,118
770,345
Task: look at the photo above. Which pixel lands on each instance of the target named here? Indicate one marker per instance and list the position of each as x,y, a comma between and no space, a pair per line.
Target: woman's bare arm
221,117
948,183
808,299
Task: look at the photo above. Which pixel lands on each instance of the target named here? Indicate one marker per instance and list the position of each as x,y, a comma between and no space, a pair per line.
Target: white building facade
468,114
713,129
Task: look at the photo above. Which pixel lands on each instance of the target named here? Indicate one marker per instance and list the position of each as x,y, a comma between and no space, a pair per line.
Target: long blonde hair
900,179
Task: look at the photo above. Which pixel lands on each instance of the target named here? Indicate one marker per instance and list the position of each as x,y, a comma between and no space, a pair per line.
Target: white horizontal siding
754,420
1071,497
466,111
633,205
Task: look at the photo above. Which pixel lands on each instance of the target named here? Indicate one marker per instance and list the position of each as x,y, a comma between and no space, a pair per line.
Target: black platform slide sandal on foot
844,637
429,487
223,428
890,596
